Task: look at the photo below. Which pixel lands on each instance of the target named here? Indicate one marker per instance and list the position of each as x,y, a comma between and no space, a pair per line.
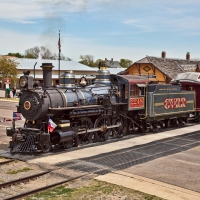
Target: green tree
18,55
125,63
8,68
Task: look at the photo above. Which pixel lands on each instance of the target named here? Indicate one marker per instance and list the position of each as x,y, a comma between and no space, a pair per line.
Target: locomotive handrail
115,104
76,107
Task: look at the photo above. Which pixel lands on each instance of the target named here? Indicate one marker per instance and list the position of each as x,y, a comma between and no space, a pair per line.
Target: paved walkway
149,186
96,150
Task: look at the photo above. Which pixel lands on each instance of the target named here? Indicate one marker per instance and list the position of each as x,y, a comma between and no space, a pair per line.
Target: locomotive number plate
137,102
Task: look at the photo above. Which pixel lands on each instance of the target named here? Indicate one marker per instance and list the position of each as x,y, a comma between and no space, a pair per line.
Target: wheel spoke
102,122
85,138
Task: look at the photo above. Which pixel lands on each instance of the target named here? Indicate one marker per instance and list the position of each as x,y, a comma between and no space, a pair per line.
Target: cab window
134,90
142,91
126,91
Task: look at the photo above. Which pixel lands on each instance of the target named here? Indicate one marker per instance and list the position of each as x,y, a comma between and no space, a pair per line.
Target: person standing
14,92
8,92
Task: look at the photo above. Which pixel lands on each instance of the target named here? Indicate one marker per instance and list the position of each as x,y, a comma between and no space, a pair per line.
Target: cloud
22,11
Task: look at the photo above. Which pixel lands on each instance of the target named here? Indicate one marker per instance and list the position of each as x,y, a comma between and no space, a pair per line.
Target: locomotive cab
132,90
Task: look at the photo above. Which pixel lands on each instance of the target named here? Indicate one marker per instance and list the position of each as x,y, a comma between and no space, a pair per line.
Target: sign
175,103
137,102
7,81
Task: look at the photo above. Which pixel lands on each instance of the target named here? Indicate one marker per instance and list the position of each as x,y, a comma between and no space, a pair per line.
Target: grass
95,190
25,169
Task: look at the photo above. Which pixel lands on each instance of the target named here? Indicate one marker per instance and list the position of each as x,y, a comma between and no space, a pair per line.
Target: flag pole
59,49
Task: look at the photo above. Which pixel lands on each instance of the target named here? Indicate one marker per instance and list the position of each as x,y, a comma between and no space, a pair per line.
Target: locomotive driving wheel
144,128
121,130
102,122
85,138
45,146
66,145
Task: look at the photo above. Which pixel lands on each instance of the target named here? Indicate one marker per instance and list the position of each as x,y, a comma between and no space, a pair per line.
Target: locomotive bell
83,81
67,79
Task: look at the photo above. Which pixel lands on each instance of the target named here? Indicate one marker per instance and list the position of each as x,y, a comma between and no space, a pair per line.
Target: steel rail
13,182
7,161
41,189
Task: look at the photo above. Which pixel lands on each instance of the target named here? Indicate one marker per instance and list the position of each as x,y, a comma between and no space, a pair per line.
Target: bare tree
32,52
87,60
43,53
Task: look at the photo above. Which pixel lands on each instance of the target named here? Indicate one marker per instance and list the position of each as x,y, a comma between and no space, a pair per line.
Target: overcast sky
108,29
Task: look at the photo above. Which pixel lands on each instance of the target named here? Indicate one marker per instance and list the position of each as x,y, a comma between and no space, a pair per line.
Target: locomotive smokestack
47,74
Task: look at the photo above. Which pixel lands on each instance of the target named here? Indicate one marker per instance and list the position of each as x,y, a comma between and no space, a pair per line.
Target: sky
129,29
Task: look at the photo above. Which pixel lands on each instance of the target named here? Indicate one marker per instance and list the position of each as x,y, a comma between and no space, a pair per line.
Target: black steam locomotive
111,107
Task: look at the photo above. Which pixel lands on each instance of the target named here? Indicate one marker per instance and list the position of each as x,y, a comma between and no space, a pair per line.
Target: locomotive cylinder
58,136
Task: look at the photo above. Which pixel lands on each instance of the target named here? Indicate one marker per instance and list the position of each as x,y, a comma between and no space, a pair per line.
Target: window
142,91
134,90
126,91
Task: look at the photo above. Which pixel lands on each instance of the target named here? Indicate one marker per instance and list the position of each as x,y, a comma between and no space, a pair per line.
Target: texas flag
17,116
51,125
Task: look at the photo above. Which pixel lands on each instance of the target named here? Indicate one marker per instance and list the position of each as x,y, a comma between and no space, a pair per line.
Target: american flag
59,45
17,116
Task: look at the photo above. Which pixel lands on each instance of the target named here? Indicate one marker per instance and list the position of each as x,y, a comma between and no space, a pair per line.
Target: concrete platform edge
149,186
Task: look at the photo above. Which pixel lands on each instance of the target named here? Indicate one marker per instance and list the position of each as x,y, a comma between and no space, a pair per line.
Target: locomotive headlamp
26,82
23,82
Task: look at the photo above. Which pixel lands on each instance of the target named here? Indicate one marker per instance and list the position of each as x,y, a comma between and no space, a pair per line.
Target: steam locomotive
112,106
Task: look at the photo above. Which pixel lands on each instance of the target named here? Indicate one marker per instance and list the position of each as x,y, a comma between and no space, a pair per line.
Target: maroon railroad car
190,81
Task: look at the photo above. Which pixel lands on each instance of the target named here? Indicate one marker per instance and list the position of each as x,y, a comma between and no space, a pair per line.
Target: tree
8,68
32,52
125,63
87,60
42,53
18,55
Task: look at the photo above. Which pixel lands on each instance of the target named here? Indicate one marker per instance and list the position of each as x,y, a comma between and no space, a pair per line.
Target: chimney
47,74
188,56
105,59
163,55
111,59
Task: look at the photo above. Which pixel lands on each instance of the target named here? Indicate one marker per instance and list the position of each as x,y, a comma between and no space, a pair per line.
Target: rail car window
142,91
189,88
134,90
126,91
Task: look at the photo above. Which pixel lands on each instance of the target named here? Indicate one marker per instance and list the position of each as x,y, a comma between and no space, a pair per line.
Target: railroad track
31,184
6,161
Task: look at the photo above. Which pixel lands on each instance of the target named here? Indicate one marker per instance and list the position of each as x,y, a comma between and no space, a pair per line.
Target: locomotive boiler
111,107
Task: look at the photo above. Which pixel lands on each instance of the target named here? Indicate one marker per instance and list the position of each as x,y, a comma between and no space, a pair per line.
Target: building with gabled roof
163,69
112,64
78,69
